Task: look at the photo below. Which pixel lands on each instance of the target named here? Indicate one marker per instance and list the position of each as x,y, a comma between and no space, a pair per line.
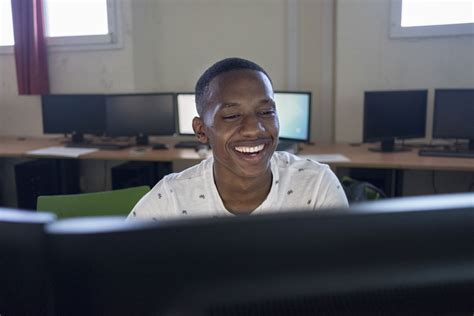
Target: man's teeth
249,150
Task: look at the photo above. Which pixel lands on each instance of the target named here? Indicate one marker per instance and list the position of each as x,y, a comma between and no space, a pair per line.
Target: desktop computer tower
132,174
45,177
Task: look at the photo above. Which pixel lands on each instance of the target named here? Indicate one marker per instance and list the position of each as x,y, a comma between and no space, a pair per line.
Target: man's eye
268,113
231,117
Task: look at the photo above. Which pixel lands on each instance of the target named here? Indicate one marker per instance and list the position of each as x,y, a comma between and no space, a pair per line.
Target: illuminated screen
186,112
293,112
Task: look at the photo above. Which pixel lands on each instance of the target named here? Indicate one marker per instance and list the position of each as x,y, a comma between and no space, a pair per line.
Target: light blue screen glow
293,111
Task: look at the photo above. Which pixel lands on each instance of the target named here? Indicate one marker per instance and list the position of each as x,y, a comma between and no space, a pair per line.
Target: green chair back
116,202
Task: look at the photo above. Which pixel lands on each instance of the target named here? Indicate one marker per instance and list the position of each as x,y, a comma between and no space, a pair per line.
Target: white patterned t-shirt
297,184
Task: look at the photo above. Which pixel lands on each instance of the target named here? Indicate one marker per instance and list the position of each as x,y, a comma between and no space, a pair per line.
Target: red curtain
30,47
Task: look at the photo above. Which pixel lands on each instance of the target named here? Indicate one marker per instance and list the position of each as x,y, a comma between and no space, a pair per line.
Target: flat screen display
140,114
453,115
294,113
73,113
294,109
394,114
186,112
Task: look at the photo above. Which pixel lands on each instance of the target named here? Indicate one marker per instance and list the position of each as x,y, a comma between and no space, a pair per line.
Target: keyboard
446,153
188,144
104,146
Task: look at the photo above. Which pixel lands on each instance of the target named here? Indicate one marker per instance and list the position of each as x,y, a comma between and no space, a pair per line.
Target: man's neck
243,195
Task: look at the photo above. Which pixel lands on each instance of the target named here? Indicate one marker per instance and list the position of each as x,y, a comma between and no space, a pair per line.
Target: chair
24,279
116,202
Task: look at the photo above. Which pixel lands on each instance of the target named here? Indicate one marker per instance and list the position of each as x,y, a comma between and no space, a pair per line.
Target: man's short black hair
222,66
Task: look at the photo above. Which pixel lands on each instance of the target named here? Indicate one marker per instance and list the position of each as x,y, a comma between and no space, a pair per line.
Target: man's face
240,122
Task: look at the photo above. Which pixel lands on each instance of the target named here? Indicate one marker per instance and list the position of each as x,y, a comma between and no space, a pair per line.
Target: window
418,18
69,23
6,24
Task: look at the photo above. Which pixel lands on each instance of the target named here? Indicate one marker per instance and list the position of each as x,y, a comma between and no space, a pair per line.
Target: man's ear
199,130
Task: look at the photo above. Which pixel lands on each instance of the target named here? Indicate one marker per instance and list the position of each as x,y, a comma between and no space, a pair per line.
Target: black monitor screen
408,256
394,114
73,113
453,115
140,114
294,114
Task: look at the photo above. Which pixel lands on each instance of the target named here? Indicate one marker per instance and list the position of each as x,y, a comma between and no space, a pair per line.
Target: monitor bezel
172,94
178,129
308,134
73,131
307,138
367,139
434,133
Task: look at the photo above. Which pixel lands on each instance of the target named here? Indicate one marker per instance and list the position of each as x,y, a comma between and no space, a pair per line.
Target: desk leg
398,185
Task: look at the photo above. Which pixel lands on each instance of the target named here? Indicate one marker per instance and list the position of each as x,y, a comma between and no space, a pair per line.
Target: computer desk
359,156
386,170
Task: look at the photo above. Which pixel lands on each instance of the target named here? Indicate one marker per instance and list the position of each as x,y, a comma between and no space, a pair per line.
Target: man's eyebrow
226,105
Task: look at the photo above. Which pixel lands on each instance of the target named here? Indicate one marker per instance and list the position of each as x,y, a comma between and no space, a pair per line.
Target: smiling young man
238,118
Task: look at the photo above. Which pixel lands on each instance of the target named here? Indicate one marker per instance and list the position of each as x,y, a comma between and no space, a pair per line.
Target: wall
176,40
367,59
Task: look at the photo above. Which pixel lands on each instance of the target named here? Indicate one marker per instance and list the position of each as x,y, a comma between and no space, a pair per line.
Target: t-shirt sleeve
156,204
331,192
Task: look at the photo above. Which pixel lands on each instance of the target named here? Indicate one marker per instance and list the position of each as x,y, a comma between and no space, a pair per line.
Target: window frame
397,31
112,40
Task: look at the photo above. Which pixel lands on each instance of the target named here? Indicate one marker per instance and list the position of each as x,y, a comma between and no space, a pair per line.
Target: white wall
367,59
176,40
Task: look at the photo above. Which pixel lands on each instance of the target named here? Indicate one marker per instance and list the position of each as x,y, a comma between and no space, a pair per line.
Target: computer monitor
77,114
140,115
294,113
453,115
186,106
390,115
24,278
410,256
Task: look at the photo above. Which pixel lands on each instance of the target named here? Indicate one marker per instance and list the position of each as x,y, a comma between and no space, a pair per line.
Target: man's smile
250,150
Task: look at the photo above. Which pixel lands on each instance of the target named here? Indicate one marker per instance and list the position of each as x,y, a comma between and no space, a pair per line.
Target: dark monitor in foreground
294,113
140,115
411,256
390,115
73,114
453,115
24,278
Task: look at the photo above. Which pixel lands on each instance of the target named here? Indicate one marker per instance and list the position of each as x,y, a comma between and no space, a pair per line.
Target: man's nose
251,125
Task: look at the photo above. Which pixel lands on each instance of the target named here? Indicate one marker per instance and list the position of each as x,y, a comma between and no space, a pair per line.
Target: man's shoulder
196,172
288,162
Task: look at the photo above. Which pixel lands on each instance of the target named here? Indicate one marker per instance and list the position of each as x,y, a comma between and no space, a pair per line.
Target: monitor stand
77,138
142,139
388,146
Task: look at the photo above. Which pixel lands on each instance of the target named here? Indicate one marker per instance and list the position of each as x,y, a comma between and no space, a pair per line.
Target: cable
433,181
105,175
471,186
